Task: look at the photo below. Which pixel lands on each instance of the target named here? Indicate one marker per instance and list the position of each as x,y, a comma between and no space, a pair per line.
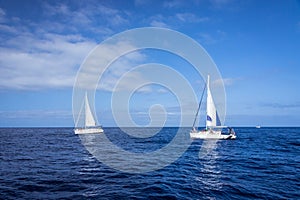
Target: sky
255,45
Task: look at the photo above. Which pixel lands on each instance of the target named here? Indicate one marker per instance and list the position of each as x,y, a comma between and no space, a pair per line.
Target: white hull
210,134
88,130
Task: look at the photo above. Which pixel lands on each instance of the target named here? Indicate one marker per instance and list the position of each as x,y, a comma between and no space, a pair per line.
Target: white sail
89,119
212,118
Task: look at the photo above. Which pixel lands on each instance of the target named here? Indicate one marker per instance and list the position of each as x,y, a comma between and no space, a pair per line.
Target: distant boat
89,121
257,126
213,130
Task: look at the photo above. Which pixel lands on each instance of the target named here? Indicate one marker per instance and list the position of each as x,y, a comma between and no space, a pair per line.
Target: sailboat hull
210,134
88,130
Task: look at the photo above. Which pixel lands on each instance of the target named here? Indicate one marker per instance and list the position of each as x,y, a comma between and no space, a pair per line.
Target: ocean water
53,163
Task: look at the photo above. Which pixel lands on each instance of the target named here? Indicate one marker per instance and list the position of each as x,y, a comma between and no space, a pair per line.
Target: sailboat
89,121
213,129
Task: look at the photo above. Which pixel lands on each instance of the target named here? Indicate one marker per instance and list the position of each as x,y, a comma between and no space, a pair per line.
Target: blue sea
54,163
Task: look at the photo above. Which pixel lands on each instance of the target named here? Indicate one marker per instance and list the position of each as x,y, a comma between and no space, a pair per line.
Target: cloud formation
28,62
191,18
225,81
48,53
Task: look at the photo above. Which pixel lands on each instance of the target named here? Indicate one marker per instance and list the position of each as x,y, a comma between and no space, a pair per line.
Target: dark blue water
52,163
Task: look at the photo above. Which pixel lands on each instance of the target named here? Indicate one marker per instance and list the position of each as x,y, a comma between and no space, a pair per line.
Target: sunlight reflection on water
211,173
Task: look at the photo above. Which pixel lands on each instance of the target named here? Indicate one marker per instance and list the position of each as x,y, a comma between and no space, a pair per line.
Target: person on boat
231,131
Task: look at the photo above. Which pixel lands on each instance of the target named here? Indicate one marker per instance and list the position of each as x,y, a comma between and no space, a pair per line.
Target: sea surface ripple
52,163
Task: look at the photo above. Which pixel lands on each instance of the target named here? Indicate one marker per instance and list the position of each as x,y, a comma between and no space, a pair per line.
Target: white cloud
212,38
157,23
2,15
163,21
28,62
173,3
145,89
225,81
118,69
207,38
2,12
121,70
42,55
162,90
220,3
6,28
87,15
191,18
142,2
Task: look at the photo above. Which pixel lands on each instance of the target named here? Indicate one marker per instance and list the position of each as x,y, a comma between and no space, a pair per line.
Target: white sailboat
89,121
213,130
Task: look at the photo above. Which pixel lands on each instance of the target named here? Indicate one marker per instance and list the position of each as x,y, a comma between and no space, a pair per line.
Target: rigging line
199,105
80,113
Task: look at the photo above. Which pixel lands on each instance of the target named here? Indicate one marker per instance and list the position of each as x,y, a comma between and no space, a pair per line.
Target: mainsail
89,119
212,118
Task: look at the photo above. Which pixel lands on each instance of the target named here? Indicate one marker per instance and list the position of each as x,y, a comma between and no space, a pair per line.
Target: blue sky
255,45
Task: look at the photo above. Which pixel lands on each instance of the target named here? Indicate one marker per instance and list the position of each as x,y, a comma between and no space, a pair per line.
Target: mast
80,113
208,118
199,106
